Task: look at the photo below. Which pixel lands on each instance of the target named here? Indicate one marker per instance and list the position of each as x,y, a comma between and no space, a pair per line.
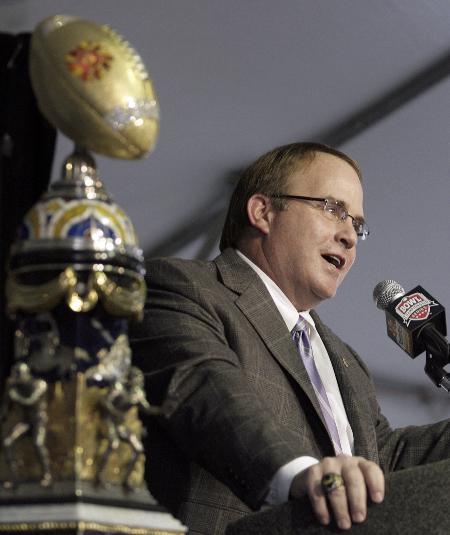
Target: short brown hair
269,175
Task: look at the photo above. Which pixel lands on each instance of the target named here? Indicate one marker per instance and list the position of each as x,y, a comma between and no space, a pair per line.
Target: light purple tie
301,339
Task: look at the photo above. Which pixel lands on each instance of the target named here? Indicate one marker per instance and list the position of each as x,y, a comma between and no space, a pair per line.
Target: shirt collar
285,307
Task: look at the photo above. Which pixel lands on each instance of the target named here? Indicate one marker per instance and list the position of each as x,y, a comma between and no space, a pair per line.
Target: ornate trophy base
87,518
83,508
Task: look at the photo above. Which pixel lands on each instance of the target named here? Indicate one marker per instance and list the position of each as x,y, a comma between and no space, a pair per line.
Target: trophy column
71,455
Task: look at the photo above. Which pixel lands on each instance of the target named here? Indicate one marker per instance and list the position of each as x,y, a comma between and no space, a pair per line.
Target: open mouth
337,261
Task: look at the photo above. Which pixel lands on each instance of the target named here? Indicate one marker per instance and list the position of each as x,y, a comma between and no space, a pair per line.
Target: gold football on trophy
93,86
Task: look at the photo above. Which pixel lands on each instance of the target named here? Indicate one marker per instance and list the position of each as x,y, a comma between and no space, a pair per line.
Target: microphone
415,320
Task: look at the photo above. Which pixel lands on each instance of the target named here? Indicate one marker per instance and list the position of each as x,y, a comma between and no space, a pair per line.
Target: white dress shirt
281,482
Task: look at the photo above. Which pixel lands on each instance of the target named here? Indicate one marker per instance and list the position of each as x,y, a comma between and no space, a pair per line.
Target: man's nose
346,234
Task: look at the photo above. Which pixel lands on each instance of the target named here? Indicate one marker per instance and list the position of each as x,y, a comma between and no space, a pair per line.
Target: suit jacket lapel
347,370
257,305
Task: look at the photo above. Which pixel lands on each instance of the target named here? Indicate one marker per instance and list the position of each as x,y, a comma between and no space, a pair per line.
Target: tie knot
300,325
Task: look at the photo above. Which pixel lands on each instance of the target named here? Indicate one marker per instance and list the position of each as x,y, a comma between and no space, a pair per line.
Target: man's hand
348,503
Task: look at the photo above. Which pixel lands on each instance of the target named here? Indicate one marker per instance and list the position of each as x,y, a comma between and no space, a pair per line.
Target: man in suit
246,422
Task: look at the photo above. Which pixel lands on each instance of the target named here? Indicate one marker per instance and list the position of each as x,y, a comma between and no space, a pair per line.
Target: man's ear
259,212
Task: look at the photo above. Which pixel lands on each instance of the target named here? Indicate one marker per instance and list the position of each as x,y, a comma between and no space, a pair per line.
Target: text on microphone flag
414,307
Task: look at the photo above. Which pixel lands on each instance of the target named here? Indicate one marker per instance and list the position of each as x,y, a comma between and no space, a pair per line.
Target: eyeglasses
337,209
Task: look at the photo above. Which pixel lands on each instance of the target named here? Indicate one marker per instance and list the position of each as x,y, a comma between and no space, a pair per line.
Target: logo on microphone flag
414,307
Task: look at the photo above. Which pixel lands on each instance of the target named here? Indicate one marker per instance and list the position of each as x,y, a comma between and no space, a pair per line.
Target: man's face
301,240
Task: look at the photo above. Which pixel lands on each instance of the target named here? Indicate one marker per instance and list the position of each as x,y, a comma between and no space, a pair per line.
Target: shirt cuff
281,481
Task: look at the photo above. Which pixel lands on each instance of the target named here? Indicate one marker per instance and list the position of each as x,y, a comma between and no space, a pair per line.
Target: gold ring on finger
331,482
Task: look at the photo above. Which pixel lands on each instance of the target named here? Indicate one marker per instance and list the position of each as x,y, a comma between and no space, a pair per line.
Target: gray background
236,78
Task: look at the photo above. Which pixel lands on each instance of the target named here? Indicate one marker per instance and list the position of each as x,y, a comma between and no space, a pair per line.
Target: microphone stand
437,356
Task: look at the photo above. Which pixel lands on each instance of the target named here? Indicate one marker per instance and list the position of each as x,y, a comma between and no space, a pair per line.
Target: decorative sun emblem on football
88,61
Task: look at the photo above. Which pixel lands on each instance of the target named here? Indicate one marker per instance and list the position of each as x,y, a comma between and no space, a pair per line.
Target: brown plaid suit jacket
237,402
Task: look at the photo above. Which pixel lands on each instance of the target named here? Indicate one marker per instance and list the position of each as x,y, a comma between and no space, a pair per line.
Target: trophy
71,452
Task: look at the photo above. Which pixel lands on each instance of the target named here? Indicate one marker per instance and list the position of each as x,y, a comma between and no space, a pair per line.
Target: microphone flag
407,315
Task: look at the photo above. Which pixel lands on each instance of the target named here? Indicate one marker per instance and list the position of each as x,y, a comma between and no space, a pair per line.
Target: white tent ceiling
237,78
